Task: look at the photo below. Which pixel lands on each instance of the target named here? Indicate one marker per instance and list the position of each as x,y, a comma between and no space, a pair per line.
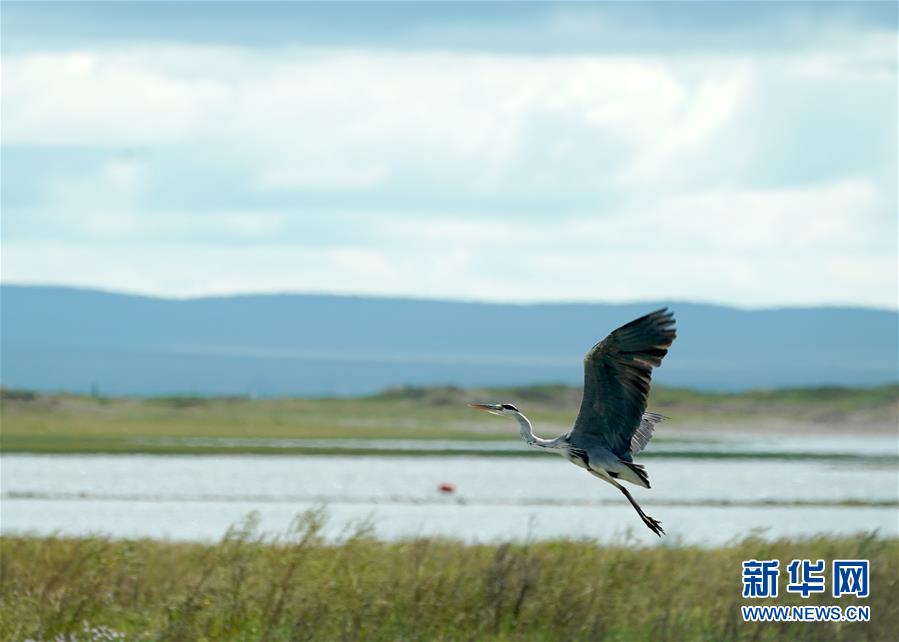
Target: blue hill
75,340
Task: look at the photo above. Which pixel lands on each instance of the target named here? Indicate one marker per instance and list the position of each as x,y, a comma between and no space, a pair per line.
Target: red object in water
446,487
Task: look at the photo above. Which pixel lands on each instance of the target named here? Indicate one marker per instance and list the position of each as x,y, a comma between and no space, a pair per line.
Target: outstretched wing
617,372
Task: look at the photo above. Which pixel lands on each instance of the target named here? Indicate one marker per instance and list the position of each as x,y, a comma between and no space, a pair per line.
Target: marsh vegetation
294,586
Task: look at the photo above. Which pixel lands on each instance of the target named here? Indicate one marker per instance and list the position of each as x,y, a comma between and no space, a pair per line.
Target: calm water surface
701,501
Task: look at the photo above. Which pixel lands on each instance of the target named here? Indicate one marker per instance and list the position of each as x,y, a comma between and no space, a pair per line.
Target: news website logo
805,577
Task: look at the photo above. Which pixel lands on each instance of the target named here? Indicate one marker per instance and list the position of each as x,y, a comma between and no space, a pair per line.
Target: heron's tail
641,477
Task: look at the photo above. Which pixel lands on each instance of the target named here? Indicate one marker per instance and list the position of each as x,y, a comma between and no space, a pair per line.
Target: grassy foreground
295,587
79,424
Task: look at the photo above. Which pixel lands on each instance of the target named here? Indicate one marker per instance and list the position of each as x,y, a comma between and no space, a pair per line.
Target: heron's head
501,409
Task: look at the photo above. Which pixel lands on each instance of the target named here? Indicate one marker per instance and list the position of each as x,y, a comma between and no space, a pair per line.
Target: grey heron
612,425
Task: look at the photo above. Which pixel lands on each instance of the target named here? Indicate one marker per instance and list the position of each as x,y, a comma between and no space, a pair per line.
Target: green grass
807,401
295,587
32,422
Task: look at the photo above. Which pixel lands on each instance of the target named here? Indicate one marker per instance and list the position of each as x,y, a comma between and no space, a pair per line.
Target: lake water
703,501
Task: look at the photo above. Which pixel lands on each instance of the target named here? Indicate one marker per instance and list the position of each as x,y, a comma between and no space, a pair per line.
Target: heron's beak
486,407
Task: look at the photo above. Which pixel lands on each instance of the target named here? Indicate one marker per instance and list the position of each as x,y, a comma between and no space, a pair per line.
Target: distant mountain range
65,339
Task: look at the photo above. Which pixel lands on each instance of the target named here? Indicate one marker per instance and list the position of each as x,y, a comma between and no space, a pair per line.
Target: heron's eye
508,406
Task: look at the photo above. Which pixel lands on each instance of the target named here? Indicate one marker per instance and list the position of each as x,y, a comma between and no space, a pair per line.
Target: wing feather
644,431
617,375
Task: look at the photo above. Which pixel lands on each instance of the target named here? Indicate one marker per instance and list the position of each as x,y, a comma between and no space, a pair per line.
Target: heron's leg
653,524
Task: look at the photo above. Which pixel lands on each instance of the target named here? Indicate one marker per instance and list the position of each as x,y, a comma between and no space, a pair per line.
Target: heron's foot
653,524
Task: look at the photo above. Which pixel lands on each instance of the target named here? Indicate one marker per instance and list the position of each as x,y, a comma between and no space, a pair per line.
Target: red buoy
446,487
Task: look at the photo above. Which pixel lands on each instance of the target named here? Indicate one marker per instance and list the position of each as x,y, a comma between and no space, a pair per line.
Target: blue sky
736,153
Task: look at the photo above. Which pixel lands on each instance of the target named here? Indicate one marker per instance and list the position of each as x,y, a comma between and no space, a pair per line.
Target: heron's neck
527,433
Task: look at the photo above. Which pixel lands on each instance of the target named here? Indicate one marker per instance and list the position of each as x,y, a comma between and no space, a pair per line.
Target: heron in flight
612,425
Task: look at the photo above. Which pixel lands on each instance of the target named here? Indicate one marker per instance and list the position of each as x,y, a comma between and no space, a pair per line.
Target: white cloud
774,247
301,118
660,166
711,108
305,118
